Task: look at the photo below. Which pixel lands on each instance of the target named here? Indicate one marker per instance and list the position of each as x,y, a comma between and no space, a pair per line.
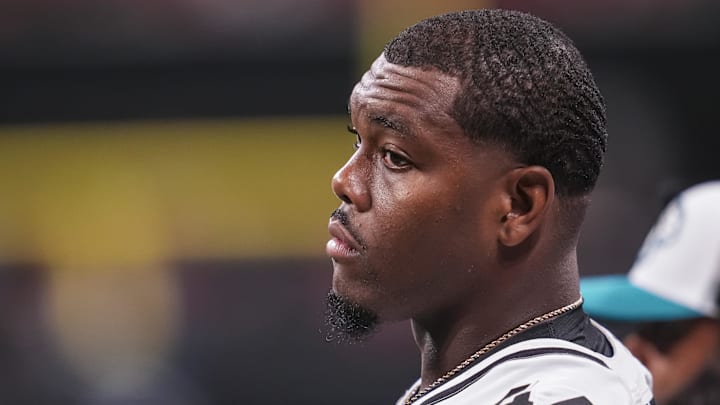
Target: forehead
407,96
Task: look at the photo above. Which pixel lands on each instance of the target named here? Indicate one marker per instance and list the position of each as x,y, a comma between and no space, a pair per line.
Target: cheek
423,221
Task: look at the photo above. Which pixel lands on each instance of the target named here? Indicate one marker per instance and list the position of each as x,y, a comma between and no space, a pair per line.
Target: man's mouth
344,244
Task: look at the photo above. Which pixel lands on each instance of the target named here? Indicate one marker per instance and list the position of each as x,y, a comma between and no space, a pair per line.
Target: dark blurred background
164,185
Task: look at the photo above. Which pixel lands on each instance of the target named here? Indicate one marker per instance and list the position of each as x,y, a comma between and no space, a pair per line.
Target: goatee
346,321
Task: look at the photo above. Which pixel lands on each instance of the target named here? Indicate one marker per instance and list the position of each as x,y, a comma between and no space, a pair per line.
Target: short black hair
524,85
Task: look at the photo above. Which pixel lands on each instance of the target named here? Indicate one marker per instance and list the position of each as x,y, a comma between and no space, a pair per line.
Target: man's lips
342,244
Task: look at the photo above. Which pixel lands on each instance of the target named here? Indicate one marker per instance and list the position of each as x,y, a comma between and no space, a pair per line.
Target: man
479,136
673,291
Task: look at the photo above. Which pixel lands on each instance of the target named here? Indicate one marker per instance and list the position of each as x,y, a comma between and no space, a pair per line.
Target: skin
453,234
677,369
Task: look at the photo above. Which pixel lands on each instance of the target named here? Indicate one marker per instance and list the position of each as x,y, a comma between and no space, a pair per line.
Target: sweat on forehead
388,90
432,79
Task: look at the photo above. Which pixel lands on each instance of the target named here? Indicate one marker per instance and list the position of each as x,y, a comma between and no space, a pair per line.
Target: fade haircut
524,86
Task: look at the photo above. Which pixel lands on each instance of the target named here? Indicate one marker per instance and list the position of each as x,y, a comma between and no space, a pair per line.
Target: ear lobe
531,191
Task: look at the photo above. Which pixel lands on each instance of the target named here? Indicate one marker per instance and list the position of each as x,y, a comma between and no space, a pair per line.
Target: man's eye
394,160
358,141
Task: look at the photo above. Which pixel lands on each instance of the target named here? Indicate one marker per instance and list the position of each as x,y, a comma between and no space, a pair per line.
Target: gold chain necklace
418,393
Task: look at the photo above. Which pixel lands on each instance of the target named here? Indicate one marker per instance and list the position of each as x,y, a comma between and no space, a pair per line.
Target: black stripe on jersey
523,398
575,401
523,354
513,392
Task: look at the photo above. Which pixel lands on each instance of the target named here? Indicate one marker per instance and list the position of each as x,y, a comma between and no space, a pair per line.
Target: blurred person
479,138
673,292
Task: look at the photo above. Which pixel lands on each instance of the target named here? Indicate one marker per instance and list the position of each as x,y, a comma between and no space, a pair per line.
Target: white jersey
547,371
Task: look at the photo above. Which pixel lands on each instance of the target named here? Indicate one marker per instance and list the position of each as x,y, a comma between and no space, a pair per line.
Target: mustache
342,217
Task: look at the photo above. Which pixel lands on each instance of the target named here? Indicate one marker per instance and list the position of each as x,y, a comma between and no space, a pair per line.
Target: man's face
415,233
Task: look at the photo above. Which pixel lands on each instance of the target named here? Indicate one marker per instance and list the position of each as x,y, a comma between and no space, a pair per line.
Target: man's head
479,135
523,85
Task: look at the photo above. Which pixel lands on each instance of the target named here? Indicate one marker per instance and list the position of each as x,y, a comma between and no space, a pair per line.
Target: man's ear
531,192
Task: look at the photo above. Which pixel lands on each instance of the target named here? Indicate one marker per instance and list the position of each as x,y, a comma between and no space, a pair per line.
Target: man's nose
350,183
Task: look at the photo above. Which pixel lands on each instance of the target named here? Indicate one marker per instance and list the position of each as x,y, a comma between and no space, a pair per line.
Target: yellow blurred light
80,196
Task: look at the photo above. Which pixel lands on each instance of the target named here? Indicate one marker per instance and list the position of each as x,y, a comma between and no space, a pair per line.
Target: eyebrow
394,124
391,123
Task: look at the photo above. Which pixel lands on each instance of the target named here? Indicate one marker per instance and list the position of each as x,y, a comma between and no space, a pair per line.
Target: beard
347,322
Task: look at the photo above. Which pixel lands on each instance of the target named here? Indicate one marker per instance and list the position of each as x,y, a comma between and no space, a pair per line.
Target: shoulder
549,372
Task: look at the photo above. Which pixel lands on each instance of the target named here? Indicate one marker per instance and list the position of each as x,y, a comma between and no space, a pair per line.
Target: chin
348,290
363,288
351,282
348,321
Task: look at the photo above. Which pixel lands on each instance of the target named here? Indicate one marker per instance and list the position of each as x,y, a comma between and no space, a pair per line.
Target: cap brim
613,297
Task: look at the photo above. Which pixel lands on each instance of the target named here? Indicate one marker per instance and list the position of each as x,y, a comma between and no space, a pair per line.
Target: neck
449,337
